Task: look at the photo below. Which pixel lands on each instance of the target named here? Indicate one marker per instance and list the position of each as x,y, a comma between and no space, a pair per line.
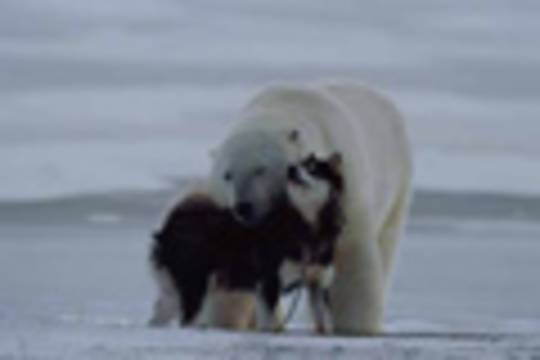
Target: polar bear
285,122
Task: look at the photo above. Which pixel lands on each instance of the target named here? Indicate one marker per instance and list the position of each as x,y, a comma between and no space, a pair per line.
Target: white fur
228,309
221,308
290,272
309,199
167,306
368,131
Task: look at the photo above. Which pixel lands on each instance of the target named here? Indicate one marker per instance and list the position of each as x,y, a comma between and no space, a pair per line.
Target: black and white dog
202,247
302,240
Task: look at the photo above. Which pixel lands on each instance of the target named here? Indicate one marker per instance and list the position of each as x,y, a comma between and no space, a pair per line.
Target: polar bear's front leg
357,294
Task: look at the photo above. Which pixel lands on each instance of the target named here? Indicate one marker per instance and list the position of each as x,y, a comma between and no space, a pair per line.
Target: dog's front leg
268,314
319,299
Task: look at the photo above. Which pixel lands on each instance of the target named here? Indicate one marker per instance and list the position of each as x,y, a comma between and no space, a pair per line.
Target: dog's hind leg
267,310
166,308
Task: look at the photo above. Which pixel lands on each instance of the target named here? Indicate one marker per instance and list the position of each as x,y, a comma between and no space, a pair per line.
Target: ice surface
71,291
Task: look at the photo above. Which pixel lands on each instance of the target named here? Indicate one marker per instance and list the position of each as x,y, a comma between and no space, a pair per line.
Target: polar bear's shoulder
288,94
283,107
358,94
319,91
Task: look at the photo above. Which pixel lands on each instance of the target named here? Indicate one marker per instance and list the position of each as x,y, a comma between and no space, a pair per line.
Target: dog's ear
336,161
309,161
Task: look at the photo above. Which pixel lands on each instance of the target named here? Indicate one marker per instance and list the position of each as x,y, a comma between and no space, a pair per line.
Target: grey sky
61,43
73,71
463,63
58,18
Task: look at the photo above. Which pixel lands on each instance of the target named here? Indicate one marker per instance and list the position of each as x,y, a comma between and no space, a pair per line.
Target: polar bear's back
324,105
385,137
350,118
373,114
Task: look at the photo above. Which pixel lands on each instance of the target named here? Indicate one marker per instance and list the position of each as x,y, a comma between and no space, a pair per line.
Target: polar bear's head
249,175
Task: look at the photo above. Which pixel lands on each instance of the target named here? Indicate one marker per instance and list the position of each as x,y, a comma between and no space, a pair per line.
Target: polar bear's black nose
244,210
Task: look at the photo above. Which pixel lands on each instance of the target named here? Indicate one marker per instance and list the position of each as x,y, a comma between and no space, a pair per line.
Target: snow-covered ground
105,106
78,287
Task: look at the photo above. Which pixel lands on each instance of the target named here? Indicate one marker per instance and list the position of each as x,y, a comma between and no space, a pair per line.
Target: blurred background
84,79
107,107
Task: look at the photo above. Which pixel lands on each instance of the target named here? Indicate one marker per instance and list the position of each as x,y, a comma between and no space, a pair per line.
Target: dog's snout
244,210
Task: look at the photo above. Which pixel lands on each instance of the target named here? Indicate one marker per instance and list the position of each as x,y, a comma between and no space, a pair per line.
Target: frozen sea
107,108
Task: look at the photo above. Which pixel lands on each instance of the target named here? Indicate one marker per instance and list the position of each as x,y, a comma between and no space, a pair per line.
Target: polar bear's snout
249,175
245,211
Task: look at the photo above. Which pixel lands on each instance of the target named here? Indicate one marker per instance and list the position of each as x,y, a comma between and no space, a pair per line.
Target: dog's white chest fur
309,201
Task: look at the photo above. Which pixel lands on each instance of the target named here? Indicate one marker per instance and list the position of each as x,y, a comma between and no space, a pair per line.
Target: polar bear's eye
227,176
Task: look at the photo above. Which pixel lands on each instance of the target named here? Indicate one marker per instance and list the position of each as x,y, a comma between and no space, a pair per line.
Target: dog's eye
227,176
311,166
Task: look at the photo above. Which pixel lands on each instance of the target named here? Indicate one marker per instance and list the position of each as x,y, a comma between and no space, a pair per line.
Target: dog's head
315,181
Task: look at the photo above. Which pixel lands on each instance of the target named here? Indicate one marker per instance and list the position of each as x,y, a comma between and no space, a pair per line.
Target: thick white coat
367,129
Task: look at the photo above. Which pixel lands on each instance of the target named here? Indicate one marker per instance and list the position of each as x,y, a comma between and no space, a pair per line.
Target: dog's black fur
197,240
200,239
302,242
